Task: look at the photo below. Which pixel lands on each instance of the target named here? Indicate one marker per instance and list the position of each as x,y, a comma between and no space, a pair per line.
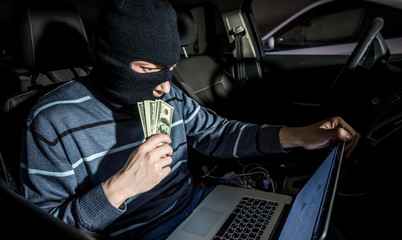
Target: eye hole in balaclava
135,30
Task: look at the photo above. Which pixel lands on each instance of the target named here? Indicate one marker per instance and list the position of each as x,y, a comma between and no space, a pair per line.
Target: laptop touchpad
203,221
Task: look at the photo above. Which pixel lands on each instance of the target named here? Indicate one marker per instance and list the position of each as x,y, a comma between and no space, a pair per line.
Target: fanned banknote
156,117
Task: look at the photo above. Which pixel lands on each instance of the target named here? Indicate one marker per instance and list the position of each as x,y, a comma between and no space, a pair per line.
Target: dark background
268,14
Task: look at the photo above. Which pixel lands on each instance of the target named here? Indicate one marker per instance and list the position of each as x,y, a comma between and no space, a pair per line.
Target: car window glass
325,29
392,22
329,28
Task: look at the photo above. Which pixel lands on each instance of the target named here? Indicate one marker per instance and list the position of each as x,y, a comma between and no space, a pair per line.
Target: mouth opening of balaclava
135,30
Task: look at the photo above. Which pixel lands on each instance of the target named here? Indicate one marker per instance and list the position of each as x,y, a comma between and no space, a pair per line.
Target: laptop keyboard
248,220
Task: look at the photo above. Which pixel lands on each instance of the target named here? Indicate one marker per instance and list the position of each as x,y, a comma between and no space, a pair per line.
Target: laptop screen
313,203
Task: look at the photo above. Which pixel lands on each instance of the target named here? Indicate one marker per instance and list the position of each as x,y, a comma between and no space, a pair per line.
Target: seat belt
240,71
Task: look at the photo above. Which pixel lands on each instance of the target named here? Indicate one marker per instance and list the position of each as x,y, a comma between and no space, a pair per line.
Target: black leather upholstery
50,36
203,78
199,76
185,24
13,113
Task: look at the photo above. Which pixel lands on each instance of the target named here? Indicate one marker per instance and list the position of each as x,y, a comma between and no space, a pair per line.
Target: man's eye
148,69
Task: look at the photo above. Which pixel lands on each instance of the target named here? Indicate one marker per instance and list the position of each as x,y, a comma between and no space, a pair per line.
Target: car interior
223,66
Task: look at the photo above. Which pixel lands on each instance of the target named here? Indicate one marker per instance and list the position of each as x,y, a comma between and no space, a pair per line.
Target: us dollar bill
150,117
156,117
141,110
164,118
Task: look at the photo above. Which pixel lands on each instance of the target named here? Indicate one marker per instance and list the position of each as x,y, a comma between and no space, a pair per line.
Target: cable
267,180
208,173
255,169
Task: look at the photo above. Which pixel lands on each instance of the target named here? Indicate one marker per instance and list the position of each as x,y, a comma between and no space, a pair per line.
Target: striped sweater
75,140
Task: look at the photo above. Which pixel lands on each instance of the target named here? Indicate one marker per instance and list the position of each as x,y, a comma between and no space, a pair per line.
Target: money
164,117
156,117
150,117
142,117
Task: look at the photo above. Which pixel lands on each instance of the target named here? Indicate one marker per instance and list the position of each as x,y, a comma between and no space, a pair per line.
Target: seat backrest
13,113
50,36
199,76
203,78
185,25
22,218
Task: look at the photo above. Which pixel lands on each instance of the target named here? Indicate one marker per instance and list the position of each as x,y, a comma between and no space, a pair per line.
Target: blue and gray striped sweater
75,140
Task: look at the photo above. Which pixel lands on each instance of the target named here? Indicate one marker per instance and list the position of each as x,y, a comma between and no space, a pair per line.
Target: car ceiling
391,3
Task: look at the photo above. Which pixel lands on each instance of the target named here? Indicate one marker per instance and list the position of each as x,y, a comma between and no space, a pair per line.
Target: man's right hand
144,169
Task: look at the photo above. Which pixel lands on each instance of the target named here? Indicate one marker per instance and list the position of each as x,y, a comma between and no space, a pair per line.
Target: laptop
239,213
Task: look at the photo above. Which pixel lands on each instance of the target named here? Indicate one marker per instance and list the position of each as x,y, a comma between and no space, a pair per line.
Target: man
85,159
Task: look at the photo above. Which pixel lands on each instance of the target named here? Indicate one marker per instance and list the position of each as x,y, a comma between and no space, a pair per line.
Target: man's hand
320,135
145,168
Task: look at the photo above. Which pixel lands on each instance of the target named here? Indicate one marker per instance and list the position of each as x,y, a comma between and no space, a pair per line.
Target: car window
392,22
337,27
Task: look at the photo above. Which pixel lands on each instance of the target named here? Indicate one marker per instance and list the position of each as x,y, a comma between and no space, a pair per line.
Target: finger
344,132
350,136
156,139
351,146
165,171
165,161
344,135
331,137
341,123
163,150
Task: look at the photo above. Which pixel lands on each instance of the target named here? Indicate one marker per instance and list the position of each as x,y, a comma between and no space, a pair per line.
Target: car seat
22,218
51,36
51,42
202,77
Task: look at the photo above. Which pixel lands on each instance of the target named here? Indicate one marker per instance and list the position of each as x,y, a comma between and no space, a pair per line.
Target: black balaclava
131,30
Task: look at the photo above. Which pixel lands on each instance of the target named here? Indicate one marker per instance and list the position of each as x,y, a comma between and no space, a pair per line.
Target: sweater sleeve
48,180
219,137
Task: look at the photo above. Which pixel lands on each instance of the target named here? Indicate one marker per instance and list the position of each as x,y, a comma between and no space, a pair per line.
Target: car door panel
302,78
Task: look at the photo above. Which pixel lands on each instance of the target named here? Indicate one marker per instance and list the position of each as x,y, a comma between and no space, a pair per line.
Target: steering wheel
371,43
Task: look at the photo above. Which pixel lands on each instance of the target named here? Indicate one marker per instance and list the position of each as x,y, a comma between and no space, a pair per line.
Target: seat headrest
50,36
185,24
